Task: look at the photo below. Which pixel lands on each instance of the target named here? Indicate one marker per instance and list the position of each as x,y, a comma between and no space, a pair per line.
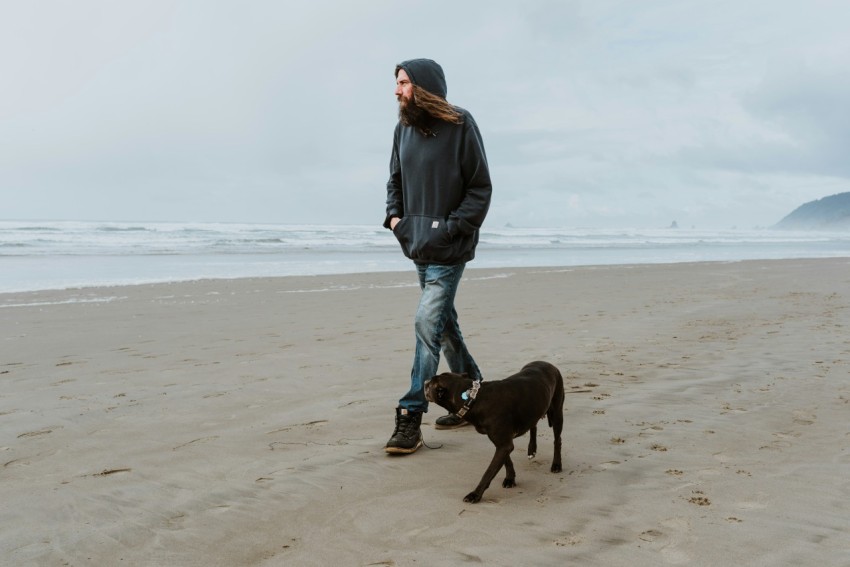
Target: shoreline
471,267
224,422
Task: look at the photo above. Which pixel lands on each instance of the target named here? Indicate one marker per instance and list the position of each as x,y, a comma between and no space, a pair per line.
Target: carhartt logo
435,224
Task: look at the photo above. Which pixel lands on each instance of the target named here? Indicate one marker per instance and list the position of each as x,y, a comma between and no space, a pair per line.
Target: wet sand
242,422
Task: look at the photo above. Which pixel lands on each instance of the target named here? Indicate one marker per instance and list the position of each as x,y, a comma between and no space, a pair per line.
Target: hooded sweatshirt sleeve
469,215
395,198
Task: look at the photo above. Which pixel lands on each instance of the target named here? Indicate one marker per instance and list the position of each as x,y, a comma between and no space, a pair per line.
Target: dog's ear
465,374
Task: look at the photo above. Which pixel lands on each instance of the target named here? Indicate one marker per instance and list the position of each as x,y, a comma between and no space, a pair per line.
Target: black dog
503,410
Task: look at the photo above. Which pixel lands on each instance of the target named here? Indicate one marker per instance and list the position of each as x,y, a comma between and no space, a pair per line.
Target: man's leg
439,286
454,348
460,361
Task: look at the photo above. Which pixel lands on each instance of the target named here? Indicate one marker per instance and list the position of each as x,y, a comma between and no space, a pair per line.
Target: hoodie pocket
425,239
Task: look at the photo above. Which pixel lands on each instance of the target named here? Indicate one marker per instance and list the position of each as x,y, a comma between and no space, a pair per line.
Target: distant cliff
829,213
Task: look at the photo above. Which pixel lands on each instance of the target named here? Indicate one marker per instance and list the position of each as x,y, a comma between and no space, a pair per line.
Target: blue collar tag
465,396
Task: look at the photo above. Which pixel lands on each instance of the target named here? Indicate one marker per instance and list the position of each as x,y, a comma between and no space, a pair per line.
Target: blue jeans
436,329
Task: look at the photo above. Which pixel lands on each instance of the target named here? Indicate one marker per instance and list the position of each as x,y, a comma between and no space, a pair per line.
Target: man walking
437,197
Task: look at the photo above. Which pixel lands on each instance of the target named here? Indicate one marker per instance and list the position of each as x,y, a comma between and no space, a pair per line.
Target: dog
503,410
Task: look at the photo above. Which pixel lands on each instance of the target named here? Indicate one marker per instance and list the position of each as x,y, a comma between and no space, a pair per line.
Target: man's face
403,88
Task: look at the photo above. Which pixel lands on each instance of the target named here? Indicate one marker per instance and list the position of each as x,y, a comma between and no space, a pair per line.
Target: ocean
40,255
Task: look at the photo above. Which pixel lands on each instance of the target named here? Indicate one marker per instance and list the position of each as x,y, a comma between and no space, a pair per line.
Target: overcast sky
595,113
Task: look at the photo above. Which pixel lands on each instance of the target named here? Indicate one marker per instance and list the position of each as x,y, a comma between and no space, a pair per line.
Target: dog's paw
472,497
508,483
531,456
556,467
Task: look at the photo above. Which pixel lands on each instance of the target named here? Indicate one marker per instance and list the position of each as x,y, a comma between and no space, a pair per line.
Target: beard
411,114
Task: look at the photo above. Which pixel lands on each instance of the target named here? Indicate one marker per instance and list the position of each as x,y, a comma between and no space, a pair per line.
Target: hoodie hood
425,73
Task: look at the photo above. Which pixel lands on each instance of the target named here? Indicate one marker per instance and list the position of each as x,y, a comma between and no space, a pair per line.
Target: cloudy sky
595,113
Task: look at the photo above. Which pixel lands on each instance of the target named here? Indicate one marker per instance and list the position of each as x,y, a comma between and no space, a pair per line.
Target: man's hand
393,222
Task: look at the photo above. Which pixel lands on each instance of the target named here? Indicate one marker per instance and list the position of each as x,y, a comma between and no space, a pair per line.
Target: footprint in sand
215,395
778,445
699,498
568,540
676,533
44,431
804,418
650,535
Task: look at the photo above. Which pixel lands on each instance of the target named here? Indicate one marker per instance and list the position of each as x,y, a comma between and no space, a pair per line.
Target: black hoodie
440,184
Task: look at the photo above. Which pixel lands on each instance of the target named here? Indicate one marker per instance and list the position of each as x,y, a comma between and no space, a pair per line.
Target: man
437,197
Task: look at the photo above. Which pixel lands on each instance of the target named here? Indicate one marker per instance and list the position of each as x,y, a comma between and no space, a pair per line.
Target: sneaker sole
402,450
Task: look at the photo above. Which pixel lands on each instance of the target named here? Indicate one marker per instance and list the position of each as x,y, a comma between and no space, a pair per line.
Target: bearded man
437,197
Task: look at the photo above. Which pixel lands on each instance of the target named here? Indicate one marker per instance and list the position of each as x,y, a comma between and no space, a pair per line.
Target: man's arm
469,216
395,197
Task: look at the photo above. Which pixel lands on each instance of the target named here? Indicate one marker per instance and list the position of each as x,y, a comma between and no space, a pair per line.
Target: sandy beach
242,422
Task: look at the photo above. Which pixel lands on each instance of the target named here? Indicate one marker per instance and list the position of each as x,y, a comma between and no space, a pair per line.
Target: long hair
436,106
426,109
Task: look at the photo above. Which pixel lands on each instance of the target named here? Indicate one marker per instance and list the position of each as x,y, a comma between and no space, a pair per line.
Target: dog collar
469,397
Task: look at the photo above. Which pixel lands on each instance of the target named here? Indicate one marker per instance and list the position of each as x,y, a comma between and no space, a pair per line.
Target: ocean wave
110,228
64,302
38,229
76,238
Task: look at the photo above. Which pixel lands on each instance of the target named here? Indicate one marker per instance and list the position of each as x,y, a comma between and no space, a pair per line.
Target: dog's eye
441,393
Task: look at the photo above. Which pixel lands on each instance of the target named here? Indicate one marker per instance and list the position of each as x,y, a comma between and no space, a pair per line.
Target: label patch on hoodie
435,224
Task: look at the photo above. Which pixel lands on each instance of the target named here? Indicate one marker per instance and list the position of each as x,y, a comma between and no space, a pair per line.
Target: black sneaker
450,421
407,436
